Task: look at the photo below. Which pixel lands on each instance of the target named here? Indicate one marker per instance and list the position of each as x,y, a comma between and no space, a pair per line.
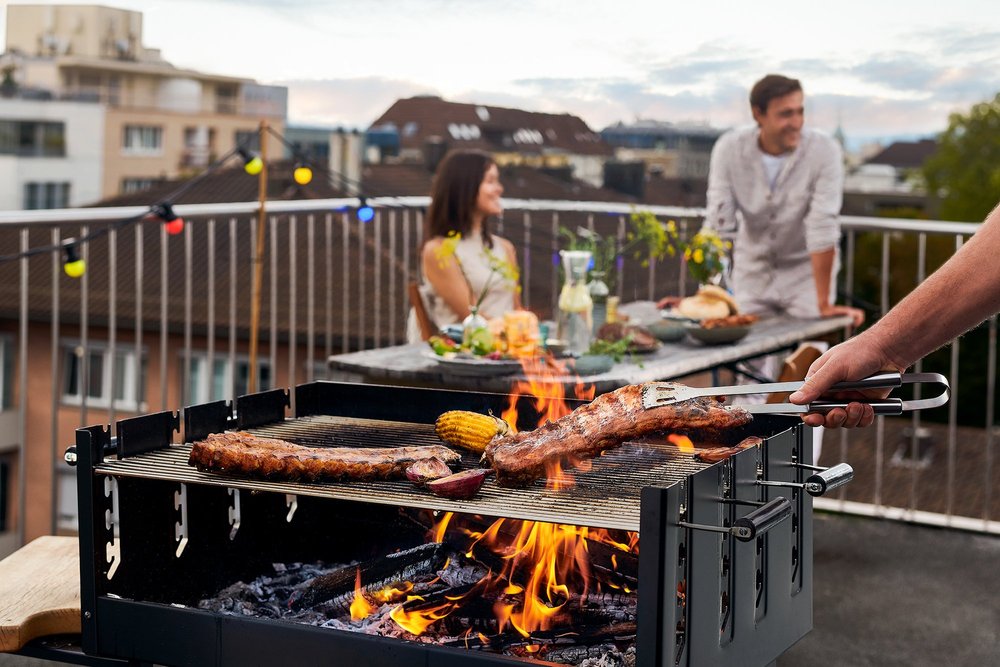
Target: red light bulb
175,226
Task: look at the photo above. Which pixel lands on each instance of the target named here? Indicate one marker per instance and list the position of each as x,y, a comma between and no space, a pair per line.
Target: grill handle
762,519
110,449
886,406
829,479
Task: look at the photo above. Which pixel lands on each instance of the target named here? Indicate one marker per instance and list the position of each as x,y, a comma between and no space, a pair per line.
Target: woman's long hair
454,192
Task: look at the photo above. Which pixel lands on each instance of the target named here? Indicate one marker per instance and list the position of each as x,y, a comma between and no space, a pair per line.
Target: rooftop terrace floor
887,593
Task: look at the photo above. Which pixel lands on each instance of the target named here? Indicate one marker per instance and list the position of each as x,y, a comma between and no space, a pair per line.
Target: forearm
957,297
822,266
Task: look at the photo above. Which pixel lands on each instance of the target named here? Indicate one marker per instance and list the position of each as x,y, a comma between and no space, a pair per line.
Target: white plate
476,367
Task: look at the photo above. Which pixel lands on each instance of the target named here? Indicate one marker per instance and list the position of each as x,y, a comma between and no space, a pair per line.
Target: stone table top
413,365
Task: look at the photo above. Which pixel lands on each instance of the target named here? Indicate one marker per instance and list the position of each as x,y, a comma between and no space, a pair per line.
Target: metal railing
170,311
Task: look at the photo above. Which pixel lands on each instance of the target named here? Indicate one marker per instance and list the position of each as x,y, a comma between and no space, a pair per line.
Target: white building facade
50,153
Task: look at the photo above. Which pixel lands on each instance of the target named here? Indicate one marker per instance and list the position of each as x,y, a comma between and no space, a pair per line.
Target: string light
365,212
172,223
74,266
252,164
303,175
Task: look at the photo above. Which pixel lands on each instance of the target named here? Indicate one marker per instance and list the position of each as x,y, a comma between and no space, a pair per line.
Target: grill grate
607,496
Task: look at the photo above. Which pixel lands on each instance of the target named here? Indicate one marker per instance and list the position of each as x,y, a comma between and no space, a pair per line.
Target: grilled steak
270,458
606,422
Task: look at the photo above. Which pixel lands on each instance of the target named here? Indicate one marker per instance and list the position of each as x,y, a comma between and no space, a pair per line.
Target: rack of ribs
606,422
270,458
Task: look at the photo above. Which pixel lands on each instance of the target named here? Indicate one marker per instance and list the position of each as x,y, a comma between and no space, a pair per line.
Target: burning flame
545,384
360,608
682,442
546,566
393,593
417,622
360,605
546,570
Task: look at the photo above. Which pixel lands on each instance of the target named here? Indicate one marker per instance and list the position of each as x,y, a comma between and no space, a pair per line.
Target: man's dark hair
771,87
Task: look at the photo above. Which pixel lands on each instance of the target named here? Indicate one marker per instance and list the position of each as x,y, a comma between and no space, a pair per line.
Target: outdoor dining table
414,365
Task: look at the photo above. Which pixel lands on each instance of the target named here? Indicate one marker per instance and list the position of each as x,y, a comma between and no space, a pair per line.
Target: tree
965,169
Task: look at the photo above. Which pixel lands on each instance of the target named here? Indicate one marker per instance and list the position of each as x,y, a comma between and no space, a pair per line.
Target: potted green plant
705,256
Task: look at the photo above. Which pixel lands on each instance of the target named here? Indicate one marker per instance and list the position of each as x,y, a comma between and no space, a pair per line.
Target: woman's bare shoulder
503,243
431,246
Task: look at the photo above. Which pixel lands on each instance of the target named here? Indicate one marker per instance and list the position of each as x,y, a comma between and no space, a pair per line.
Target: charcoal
389,569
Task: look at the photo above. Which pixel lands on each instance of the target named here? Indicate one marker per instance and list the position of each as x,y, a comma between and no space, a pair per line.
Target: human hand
857,315
853,359
668,302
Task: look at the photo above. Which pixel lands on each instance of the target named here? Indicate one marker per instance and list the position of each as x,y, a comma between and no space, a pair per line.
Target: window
7,353
94,373
46,195
142,140
203,386
28,138
130,185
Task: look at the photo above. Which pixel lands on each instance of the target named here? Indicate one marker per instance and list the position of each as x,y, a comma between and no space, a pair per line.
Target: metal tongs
659,394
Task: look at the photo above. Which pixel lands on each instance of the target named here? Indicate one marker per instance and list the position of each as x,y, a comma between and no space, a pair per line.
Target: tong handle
886,406
762,519
890,379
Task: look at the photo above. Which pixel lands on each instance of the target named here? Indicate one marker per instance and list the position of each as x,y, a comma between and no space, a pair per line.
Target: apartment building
50,153
668,150
160,121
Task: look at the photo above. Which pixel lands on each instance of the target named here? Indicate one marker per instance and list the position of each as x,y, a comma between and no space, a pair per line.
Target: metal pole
22,412
258,259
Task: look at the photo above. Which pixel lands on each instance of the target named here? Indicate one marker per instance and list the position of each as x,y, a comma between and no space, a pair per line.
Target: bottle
599,291
575,305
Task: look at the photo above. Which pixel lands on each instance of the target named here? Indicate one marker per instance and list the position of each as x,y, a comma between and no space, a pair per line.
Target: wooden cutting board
39,591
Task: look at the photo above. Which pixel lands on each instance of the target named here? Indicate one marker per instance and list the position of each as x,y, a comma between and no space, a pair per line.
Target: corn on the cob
469,430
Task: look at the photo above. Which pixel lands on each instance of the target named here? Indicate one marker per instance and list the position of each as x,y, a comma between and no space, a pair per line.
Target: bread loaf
700,307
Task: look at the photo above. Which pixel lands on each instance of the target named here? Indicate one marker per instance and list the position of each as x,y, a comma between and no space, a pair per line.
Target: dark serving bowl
718,335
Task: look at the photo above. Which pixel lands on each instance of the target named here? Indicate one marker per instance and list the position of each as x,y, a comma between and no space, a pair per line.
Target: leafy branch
498,267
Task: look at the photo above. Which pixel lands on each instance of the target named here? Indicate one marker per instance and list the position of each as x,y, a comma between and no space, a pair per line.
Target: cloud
346,102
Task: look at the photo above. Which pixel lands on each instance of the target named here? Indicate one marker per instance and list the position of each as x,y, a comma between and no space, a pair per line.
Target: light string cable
336,179
162,208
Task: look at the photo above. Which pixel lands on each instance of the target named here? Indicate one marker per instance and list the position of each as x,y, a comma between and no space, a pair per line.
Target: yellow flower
699,256
447,248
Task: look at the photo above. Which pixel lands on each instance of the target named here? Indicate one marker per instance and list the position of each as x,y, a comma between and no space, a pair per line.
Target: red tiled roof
905,154
675,191
232,184
490,128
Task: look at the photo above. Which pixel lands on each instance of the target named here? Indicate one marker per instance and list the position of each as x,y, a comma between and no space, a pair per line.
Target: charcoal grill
156,534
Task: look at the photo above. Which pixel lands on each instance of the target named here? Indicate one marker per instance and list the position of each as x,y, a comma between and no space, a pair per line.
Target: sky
879,70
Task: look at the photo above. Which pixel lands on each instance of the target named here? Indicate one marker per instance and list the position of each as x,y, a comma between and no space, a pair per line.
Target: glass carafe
575,321
599,296
476,337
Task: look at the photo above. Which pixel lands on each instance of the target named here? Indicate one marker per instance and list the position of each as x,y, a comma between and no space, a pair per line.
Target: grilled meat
715,454
269,458
606,422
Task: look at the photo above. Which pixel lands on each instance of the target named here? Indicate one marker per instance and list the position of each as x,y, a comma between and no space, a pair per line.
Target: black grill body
742,603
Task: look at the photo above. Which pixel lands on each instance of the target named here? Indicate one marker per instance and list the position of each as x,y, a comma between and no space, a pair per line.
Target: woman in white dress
465,194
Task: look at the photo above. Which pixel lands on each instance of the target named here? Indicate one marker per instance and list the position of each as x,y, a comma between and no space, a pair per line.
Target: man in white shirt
776,190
